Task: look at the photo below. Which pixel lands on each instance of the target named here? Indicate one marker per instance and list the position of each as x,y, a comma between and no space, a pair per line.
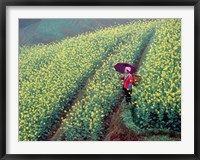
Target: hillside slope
34,31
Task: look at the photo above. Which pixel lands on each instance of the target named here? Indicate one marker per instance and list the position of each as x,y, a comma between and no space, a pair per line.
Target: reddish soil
114,128
56,128
55,131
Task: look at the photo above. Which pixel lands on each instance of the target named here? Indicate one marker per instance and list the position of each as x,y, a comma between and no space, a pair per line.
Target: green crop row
158,96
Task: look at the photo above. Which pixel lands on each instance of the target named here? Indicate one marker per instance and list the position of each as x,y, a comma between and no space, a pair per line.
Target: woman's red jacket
128,81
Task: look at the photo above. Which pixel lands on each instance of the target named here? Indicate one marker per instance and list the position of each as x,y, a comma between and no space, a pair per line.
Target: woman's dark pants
127,95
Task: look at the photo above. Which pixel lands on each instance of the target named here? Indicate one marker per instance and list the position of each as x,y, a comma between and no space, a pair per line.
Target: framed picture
99,79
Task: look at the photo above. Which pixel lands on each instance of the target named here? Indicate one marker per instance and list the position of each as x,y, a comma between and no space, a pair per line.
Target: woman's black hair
128,71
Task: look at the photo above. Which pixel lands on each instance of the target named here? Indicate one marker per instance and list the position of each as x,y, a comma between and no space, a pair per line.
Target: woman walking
127,85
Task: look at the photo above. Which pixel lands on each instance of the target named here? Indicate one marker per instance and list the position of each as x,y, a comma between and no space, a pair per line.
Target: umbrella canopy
119,67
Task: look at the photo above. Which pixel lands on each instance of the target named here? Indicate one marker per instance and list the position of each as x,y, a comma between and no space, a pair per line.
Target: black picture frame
5,3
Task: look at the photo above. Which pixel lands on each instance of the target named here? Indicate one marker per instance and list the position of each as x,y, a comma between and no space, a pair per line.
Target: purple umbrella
119,67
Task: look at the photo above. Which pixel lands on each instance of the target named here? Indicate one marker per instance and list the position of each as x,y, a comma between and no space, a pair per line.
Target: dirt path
113,126
118,131
55,132
78,96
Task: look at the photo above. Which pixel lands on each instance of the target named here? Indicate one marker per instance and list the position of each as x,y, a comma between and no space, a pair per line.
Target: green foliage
128,120
158,96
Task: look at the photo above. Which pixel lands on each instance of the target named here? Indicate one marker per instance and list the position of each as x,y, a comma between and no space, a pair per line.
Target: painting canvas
99,79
